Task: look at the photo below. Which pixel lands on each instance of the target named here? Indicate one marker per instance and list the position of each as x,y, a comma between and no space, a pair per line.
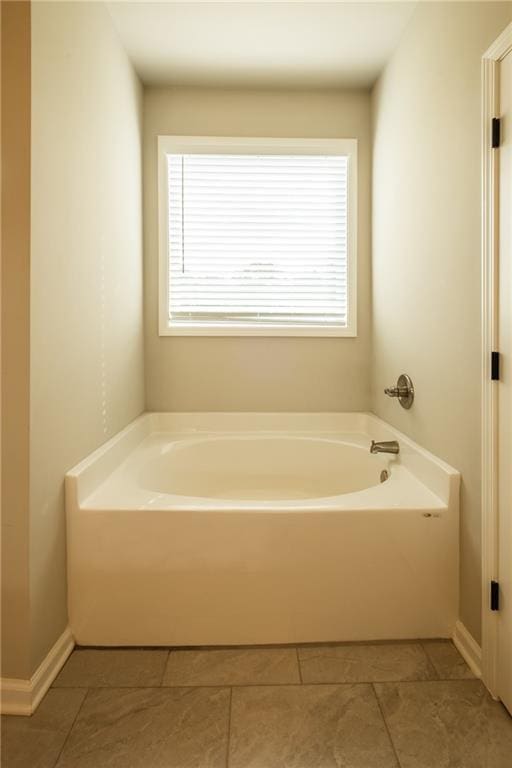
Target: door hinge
495,366
495,596
495,132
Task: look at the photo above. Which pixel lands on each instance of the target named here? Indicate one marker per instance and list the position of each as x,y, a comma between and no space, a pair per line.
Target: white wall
426,246
261,374
86,282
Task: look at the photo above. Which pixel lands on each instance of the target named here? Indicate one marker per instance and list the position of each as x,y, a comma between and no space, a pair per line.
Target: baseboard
22,697
468,648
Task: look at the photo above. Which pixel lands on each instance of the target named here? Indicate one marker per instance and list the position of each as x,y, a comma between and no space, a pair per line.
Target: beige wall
261,374
15,162
86,281
426,246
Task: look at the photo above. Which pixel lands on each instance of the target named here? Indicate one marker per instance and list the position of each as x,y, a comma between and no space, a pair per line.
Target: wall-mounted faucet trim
404,391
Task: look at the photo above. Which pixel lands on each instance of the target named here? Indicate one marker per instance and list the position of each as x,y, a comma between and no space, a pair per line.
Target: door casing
490,285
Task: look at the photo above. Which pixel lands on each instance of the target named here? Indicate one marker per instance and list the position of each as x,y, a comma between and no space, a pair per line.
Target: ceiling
262,44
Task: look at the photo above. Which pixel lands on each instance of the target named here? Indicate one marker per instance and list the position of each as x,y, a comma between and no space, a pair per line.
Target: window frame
232,145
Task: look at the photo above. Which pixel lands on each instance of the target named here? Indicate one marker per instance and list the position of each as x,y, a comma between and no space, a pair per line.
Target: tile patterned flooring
382,705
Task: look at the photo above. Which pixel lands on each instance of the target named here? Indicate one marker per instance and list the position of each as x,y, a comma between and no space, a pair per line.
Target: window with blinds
258,241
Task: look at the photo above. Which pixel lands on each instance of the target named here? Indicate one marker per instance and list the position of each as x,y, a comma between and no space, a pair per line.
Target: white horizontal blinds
258,239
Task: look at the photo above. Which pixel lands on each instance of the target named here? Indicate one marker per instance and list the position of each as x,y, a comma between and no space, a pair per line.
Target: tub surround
149,564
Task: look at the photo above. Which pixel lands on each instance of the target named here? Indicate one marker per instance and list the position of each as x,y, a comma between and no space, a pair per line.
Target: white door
504,677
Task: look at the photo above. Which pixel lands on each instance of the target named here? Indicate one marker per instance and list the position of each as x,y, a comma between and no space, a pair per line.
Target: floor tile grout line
386,726
165,669
430,661
228,742
275,685
57,759
298,664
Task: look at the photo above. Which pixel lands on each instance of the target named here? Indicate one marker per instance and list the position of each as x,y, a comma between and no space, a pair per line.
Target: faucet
385,446
404,391
396,391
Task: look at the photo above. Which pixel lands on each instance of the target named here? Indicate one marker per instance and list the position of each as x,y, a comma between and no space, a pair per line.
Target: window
257,236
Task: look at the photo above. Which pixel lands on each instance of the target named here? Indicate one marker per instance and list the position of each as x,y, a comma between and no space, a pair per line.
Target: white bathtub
220,529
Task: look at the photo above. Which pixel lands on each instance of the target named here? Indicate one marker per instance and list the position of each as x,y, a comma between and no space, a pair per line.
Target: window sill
184,329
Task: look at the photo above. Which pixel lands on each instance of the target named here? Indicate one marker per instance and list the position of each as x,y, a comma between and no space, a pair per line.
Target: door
504,677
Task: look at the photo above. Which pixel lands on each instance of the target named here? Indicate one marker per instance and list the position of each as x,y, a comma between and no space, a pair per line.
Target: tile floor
384,705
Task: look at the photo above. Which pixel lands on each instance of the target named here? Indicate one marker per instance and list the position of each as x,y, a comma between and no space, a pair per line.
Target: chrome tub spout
385,446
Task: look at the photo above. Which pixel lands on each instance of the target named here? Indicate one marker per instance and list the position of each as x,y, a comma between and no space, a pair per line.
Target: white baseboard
22,697
468,648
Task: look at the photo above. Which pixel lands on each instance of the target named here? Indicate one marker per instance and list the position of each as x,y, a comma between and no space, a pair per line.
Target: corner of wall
86,336
15,329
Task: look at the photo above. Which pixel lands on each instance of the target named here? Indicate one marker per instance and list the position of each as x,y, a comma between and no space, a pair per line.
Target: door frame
490,265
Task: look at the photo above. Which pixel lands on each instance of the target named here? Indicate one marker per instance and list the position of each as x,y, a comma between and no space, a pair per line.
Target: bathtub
231,529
